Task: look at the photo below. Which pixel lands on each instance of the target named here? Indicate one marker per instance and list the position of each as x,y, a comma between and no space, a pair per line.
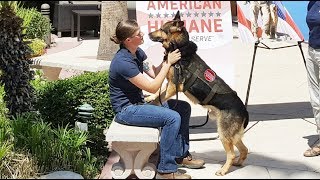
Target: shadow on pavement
294,110
312,139
254,163
258,112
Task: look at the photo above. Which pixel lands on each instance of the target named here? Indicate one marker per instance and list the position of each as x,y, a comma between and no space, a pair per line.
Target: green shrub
63,148
6,137
36,25
37,46
3,108
39,26
14,4
30,147
26,15
58,102
39,80
34,135
5,148
14,162
70,149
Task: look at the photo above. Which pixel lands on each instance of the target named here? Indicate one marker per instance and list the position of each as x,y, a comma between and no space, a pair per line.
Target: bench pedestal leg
134,158
51,73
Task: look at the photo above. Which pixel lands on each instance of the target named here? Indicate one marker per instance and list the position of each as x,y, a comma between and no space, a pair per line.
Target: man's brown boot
175,175
190,163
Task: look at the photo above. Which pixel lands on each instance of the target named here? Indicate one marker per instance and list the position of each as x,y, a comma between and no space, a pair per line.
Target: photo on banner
209,25
286,28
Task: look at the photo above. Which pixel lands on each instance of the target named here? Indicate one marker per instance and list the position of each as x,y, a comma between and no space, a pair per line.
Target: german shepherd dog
202,86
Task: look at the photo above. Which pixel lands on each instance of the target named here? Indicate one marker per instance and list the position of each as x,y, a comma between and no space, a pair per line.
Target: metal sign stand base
267,47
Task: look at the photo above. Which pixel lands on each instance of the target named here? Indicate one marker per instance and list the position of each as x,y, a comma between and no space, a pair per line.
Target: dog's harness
200,70
194,70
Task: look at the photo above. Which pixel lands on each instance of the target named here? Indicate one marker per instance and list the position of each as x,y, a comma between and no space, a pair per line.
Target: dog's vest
200,70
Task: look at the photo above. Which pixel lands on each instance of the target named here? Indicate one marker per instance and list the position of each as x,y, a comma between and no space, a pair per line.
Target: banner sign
286,27
208,23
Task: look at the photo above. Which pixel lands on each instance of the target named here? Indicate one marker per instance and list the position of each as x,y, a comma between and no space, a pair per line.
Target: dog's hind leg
243,153
228,146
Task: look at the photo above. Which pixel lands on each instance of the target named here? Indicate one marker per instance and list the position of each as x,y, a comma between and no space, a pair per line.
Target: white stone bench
51,67
134,145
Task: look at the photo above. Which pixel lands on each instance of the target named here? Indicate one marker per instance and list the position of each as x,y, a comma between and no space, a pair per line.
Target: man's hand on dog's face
174,56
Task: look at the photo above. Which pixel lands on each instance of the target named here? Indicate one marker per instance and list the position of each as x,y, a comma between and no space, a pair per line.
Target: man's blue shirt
313,22
124,66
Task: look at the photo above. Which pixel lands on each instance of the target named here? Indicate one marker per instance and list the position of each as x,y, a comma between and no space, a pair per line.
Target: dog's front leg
165,94
150,98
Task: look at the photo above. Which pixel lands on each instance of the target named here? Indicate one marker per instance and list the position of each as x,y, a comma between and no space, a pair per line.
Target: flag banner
208,23
286,28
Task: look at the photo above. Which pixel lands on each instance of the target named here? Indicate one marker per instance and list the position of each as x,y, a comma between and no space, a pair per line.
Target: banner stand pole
267,47
304,60
252,64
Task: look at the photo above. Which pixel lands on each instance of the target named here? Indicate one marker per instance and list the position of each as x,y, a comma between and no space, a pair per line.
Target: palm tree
111,13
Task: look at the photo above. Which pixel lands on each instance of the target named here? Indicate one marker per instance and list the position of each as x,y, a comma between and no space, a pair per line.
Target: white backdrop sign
208,23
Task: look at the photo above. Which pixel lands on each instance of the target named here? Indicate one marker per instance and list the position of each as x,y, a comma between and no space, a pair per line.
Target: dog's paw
221,172
237,163
149,98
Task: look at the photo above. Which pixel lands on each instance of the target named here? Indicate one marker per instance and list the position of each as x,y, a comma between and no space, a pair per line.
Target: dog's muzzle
158,36
155,39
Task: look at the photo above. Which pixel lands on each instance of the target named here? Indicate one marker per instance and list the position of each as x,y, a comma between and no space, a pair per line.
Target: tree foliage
14,63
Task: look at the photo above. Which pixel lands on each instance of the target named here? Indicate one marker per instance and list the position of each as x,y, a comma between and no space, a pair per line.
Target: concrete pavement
281,123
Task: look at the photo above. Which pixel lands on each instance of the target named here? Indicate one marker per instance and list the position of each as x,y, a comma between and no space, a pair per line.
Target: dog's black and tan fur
222,102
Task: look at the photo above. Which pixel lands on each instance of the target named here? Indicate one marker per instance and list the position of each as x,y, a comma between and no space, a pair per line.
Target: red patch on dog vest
209,75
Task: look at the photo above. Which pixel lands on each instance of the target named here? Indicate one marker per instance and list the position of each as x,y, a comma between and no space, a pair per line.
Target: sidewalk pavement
281,123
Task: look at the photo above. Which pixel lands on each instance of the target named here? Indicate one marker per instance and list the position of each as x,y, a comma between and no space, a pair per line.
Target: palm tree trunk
112,12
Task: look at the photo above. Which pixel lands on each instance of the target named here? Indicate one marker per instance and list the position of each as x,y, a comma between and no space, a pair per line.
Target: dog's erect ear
181,23
177,17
